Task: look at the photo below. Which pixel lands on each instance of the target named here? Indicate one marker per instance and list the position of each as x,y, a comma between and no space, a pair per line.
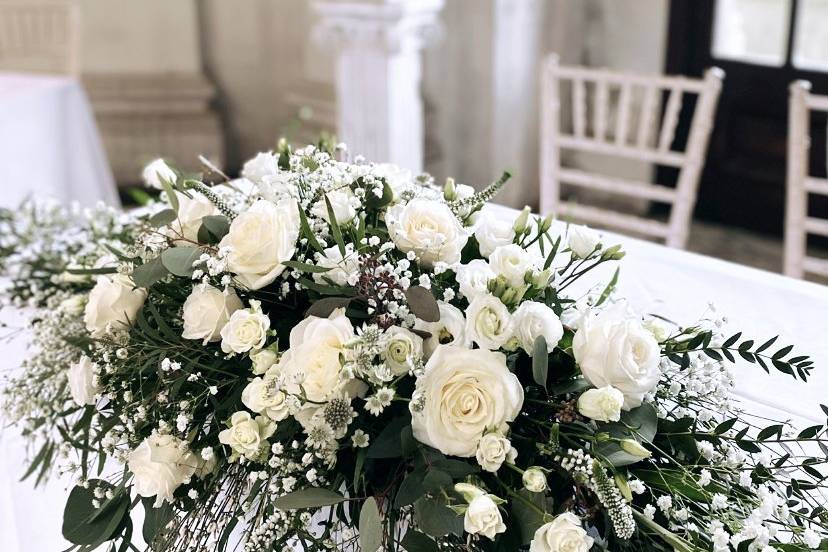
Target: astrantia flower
360,439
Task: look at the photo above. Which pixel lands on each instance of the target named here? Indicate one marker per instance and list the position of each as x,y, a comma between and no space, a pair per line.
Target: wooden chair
40,36
800,185
623,119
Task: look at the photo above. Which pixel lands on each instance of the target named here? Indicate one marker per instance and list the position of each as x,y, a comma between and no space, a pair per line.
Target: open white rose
83,381
343,269
494,449
533,320
512,262
534,480
206,311
488,322
343,203
156,171
473,277
493,232
449,330
398,179
483,517
278,186
191,212
429,229
260,240
263,396
582,240
467,392
603,405
562,534
247,436
160,464
263,359
113,303
402,348
613,348
246,330
264,164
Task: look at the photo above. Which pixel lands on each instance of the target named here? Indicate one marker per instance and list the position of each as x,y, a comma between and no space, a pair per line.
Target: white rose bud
83,384
262,396
402,347
533,320
247,436
191,212
602,405
493,232
483,517
488,322
429,229
534,480
160,464
583,241
263,165
473,278
113,303
512,262
631,446
493,450
562,534
263,359
206,311
246,330
156,171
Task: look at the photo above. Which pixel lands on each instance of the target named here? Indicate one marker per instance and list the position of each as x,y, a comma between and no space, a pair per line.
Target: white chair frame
800,184
41,36
649,139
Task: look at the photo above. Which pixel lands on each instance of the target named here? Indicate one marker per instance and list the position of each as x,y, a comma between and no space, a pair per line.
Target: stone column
377,46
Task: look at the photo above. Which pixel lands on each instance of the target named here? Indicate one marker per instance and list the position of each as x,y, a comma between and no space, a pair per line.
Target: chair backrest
800,184
620,114
40,36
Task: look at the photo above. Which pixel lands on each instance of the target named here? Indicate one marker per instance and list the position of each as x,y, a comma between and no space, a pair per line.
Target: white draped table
49,144
675,284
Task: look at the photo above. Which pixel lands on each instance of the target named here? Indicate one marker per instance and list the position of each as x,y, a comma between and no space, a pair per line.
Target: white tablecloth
49,144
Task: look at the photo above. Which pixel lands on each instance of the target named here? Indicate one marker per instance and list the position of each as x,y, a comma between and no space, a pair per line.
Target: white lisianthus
263,165
613,348
493,232
602,405
402,348
449,330
113,303
343,269
532,320
206,311
159,465
562,534
343,203
583,241
263,396
512,262
260,240
493,450
473,277
483,517
191,212
246,330
429,229
534,480
247,436
83,381
263,360
156,171
466,391
488,322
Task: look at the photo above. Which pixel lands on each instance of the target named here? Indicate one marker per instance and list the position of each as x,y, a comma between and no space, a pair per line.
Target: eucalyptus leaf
370,526
325,306
217,225
414,541
423,304
434,518
147,274
163,218
83,524
179,260
310,497
540,361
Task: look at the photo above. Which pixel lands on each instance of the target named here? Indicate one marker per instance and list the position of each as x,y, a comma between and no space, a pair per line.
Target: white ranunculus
562,534
191,211
343,204
483,517
245,330
263,360
263,165
113,303
156,171
488,322
343,269
603,405
429,229
159,465
402,348
449,330
582,240
533,320
613,348
247,436
260,240
473,278
494,449
493,232
534,480
83,381
466,392
512,262
206,311
263,396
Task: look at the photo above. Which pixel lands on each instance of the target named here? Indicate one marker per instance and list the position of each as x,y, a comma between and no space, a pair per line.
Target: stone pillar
377,46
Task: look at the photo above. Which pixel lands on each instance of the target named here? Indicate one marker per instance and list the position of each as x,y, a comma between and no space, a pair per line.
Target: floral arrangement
333,355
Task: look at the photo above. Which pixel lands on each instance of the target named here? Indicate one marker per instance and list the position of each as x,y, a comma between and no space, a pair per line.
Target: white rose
562,534
83,381
473,278
533,320
156,171
398,179
264,164
343,204
246,330
429,229
113,302
603,405
512,262
343,269
494,449
160,464
493,232
275,187
191,211
260,240
449,330
263,359
582,241
483,517
247,436
402,348
466,392
613,348
206,311
488,322
534,480
263,396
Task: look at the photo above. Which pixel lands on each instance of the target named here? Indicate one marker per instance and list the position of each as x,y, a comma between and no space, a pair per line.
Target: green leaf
540,361
179,260
414,541
305,229
149,273
325,306
163,218
370,526
83,524
305,267
155,519
171,196
410,489
435,480
610,287
434,518
311,497
388,443
678,543
374,202
217,225
528,518
422,304
335,230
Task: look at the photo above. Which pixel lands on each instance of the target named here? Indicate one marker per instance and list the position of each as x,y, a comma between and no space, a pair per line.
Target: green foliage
83,524
309,497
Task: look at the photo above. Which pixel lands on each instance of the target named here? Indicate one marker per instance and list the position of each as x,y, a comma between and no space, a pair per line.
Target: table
49,144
